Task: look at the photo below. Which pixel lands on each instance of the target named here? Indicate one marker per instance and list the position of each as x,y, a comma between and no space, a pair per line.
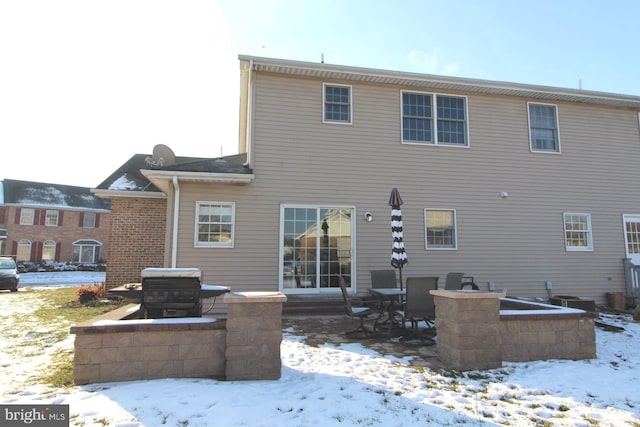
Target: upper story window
434,119
577,232
214,224
27,216
336,104
440,229
51,218
89,220
543,128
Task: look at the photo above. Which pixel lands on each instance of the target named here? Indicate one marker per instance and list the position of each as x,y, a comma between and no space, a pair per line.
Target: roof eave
110,194
339,72
160,178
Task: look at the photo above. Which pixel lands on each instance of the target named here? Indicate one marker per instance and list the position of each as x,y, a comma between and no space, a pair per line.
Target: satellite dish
163,155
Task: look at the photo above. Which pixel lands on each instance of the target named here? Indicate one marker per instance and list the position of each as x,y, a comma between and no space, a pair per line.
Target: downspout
248,136
176,207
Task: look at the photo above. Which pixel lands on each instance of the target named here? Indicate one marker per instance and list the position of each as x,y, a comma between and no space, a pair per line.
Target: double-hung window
51,218
544,135
577,232
89,220
214,224
440,229
336,106
49,250
434,119
27,216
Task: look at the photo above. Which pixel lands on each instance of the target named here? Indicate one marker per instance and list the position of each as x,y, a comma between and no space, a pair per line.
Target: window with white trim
27,216
89,220
577,232
214,224
336,105
51,218
86,251
49,250
434,119
544,135
440,229
24,250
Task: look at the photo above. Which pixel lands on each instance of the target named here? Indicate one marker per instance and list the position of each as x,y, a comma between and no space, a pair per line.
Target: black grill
171,292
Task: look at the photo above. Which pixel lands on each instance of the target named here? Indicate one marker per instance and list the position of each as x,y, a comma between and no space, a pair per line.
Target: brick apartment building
52,222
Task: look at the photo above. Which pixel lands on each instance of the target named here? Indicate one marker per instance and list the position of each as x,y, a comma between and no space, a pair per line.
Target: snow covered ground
61,278
347,385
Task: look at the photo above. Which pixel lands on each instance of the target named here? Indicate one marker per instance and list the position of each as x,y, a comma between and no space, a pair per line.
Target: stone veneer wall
468,330
245,346
136,238
254,334
473,335
540,337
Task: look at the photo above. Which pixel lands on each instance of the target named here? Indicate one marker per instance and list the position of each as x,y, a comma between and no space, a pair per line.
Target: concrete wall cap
254,297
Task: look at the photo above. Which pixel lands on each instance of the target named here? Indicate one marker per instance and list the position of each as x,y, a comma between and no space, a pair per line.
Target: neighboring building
52,222
513,184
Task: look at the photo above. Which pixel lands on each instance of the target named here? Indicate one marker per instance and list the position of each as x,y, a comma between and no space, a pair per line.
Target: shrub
88,293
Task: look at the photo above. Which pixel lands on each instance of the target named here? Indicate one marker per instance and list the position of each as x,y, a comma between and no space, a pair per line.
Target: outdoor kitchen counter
133,291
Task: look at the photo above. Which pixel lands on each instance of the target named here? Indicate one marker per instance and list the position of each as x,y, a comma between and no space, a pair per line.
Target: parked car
9,277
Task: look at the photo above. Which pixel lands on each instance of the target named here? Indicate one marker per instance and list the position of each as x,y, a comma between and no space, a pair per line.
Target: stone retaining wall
474,334
537,337
245,346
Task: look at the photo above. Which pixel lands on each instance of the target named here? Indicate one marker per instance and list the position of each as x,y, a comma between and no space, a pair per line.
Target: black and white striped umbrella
398,254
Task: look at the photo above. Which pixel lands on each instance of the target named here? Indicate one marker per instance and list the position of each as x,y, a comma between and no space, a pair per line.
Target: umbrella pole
400,271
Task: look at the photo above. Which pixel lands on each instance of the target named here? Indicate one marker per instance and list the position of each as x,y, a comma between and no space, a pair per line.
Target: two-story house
52,222
514,184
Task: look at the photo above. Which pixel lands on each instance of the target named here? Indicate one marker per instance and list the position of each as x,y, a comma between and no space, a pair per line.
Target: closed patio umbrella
398,254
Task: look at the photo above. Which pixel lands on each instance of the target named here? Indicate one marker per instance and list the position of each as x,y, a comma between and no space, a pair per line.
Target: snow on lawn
350,385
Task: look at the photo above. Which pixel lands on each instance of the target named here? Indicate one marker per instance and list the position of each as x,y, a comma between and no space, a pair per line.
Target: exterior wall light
368,216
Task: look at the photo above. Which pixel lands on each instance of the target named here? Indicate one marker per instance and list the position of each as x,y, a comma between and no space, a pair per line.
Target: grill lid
171,273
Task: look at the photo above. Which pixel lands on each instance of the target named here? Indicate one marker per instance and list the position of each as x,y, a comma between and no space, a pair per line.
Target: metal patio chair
419,307
359,313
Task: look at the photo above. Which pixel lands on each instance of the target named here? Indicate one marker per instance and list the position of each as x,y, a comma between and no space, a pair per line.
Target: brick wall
136,238
68,231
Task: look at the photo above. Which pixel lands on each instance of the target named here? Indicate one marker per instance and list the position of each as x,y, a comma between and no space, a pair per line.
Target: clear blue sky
86,84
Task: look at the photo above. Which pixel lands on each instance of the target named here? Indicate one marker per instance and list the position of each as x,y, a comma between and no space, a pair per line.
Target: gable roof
29,193
339,72
140,178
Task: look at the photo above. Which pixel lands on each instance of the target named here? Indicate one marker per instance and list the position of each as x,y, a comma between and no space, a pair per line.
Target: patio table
391,295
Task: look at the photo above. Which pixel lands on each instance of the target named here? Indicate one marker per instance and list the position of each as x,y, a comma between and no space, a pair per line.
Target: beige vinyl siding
517,242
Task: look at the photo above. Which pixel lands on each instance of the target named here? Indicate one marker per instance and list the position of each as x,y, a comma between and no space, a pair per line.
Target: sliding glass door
316,247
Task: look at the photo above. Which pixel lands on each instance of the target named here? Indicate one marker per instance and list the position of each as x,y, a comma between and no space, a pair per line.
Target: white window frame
79,249
27,216
351,250
455,230
230,244
588,232
49,217
434,120
24,248
557,128
85,223
49,250
324,104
